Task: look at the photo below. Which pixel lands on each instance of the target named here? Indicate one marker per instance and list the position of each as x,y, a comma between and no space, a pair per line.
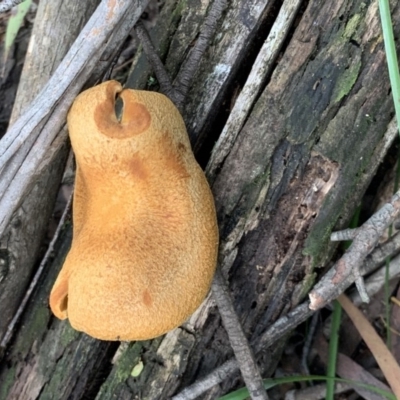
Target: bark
305,154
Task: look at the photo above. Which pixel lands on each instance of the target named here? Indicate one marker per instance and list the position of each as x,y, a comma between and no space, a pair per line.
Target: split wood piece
254,84
42,121
6,5
348,268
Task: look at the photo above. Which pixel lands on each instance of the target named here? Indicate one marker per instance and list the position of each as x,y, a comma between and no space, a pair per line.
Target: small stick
219,374
177,91
346,234
11,326
360,285
157,65
376,281
188,70
347,269
308,342
110,70
244,355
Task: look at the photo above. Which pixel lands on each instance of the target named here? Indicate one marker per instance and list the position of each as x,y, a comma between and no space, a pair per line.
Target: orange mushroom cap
145,235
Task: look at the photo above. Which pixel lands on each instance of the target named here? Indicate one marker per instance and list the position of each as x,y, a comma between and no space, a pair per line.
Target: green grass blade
13,26
391,55
333,350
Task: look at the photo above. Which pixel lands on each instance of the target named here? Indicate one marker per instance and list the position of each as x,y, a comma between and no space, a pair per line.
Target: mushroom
145,235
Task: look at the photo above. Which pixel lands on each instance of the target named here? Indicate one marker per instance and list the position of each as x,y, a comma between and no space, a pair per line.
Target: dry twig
348,268
184,79
244,355
214,378
307,344
152,56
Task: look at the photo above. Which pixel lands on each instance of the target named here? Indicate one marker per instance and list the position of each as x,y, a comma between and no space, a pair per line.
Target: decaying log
308,148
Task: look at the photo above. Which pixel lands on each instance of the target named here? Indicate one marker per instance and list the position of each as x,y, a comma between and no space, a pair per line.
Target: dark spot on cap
173,159
138,168
181,147
147,300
